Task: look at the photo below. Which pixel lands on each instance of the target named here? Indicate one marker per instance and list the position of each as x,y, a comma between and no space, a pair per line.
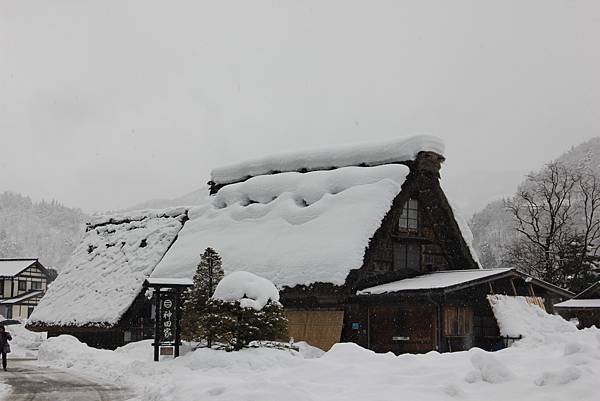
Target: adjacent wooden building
23,282
585,307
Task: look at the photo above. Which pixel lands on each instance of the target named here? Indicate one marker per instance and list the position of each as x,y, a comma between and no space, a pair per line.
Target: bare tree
557,216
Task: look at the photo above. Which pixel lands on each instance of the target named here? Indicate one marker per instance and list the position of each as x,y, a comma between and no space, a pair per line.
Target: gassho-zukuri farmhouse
360,240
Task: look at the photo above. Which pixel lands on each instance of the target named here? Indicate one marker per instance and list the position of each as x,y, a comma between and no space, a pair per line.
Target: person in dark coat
5,337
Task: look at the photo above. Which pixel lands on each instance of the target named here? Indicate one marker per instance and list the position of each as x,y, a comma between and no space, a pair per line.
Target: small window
407,256
409,218
36,285
22,285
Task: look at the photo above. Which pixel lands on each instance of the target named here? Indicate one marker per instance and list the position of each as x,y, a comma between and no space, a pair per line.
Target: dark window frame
23,284
407,256
409,217
36,285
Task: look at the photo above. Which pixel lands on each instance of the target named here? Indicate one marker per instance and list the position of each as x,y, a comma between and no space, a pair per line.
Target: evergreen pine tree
198,322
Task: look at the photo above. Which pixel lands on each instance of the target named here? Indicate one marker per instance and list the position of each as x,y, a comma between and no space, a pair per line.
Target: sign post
167,314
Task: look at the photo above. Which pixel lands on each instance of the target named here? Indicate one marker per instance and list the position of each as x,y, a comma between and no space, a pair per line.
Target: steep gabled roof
293,223
107,269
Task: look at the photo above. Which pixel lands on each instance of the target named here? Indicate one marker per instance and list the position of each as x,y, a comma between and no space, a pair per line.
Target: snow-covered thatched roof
290,228
285,220
107,269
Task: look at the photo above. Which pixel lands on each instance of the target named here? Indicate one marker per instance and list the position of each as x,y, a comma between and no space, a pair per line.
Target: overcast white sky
105,104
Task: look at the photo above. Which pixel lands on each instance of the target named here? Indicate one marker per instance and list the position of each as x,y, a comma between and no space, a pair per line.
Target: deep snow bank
24,343
545,366
517,317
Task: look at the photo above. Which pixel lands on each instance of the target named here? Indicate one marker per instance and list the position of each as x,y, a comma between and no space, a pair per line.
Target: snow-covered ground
554,361
25,343
4,391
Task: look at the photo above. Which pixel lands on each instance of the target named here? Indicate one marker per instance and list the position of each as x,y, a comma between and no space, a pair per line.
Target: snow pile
562,367
487,368
4,391
290,228
24,343
516,317
249,289
107,269
364,154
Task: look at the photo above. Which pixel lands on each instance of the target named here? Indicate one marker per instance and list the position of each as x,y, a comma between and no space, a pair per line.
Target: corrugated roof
12,267
433,281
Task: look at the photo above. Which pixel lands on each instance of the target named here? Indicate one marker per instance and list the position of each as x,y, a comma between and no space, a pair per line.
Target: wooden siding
400,329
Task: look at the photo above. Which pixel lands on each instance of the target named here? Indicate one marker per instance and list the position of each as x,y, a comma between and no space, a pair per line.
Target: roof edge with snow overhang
579,304
454,280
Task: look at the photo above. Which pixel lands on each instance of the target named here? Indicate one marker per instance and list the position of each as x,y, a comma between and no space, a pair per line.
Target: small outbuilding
585,307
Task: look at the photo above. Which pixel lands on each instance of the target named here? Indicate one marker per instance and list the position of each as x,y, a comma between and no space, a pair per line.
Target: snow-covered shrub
246,308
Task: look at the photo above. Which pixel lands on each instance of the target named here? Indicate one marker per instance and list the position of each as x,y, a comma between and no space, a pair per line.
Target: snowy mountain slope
46,230
492,226
196,197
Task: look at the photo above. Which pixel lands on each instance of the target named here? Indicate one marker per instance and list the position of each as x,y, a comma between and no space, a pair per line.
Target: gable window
407,256
36,285
409,218
22,285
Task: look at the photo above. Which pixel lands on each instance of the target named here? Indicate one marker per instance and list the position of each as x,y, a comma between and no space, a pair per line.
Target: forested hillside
46,230
494,227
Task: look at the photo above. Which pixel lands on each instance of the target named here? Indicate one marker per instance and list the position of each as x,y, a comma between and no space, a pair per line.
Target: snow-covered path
30,382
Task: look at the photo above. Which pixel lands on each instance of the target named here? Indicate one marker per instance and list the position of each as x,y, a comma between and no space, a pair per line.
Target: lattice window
409,218
407,256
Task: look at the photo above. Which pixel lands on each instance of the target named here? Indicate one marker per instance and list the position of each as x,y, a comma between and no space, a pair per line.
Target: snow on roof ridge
135,215
364,154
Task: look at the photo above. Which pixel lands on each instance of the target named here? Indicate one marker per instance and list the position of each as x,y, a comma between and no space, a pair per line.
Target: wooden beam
512,284
491,288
